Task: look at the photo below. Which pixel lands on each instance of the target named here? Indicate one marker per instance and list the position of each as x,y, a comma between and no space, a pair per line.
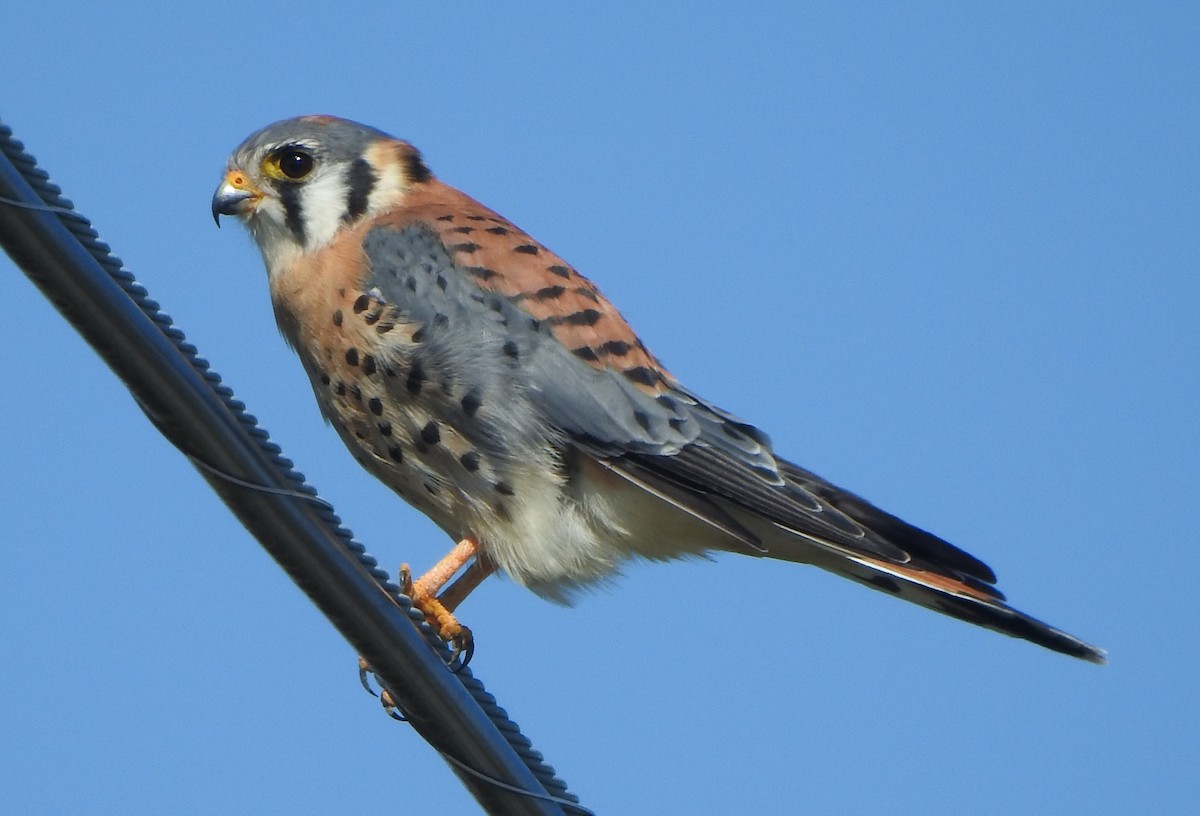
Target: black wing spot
586,353
337,317
584,317
642,419
368,365
470,461
445,218
441,321
352,356
481,272
361,303
441,281
431,434
463,230
497,230
504,489
376,406
466,246
642,375
588,292
560,270
385,428
470,403
617,348
526,249
510,349
416,378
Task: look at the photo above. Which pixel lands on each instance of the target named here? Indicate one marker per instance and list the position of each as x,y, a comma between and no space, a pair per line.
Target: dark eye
294,163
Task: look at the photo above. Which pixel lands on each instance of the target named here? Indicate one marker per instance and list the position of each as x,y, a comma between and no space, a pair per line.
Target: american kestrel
493,387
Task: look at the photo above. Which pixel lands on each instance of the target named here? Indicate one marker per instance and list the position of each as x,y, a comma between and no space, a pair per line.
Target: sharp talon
364,668
462,650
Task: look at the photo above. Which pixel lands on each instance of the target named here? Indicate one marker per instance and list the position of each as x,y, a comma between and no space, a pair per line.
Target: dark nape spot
560,270
462,230
526,249
510,349
352,356
617,348
481,272
337,317
586,353
884,582
416,377
418,171
470,461
584,317
375,405
504,489
396,453
642,419
431,434
368,365
385,428
497,230
361,303
470,403
641,375
441,280
466,246
445,218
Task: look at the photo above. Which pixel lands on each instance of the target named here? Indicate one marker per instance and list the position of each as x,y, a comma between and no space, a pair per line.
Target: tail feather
966,600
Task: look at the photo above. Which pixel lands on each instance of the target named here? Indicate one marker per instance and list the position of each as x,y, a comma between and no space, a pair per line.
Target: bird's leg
424,590
457,592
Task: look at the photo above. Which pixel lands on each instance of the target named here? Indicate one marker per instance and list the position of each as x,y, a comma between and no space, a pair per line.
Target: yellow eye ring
289,164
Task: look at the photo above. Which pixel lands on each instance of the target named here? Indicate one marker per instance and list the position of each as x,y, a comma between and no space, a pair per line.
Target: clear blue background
946,254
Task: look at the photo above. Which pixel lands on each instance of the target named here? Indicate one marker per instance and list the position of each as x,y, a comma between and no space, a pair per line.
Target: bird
495,389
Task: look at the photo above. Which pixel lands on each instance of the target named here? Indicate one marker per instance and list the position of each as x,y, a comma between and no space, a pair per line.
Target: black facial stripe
360,179
289,196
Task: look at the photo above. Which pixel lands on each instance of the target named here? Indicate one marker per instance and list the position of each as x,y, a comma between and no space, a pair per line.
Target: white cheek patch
323,205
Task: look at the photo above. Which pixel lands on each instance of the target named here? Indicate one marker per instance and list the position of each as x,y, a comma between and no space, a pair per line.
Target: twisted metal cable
81,229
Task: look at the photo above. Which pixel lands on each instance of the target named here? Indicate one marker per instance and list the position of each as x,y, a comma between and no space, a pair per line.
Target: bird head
295,183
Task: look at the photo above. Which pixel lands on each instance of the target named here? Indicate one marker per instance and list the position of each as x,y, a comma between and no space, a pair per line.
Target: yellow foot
439,617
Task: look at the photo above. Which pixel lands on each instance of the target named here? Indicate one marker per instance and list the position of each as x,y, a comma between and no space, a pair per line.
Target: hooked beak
235,196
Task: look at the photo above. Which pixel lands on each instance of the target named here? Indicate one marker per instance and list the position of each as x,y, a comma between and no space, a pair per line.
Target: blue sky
946,254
